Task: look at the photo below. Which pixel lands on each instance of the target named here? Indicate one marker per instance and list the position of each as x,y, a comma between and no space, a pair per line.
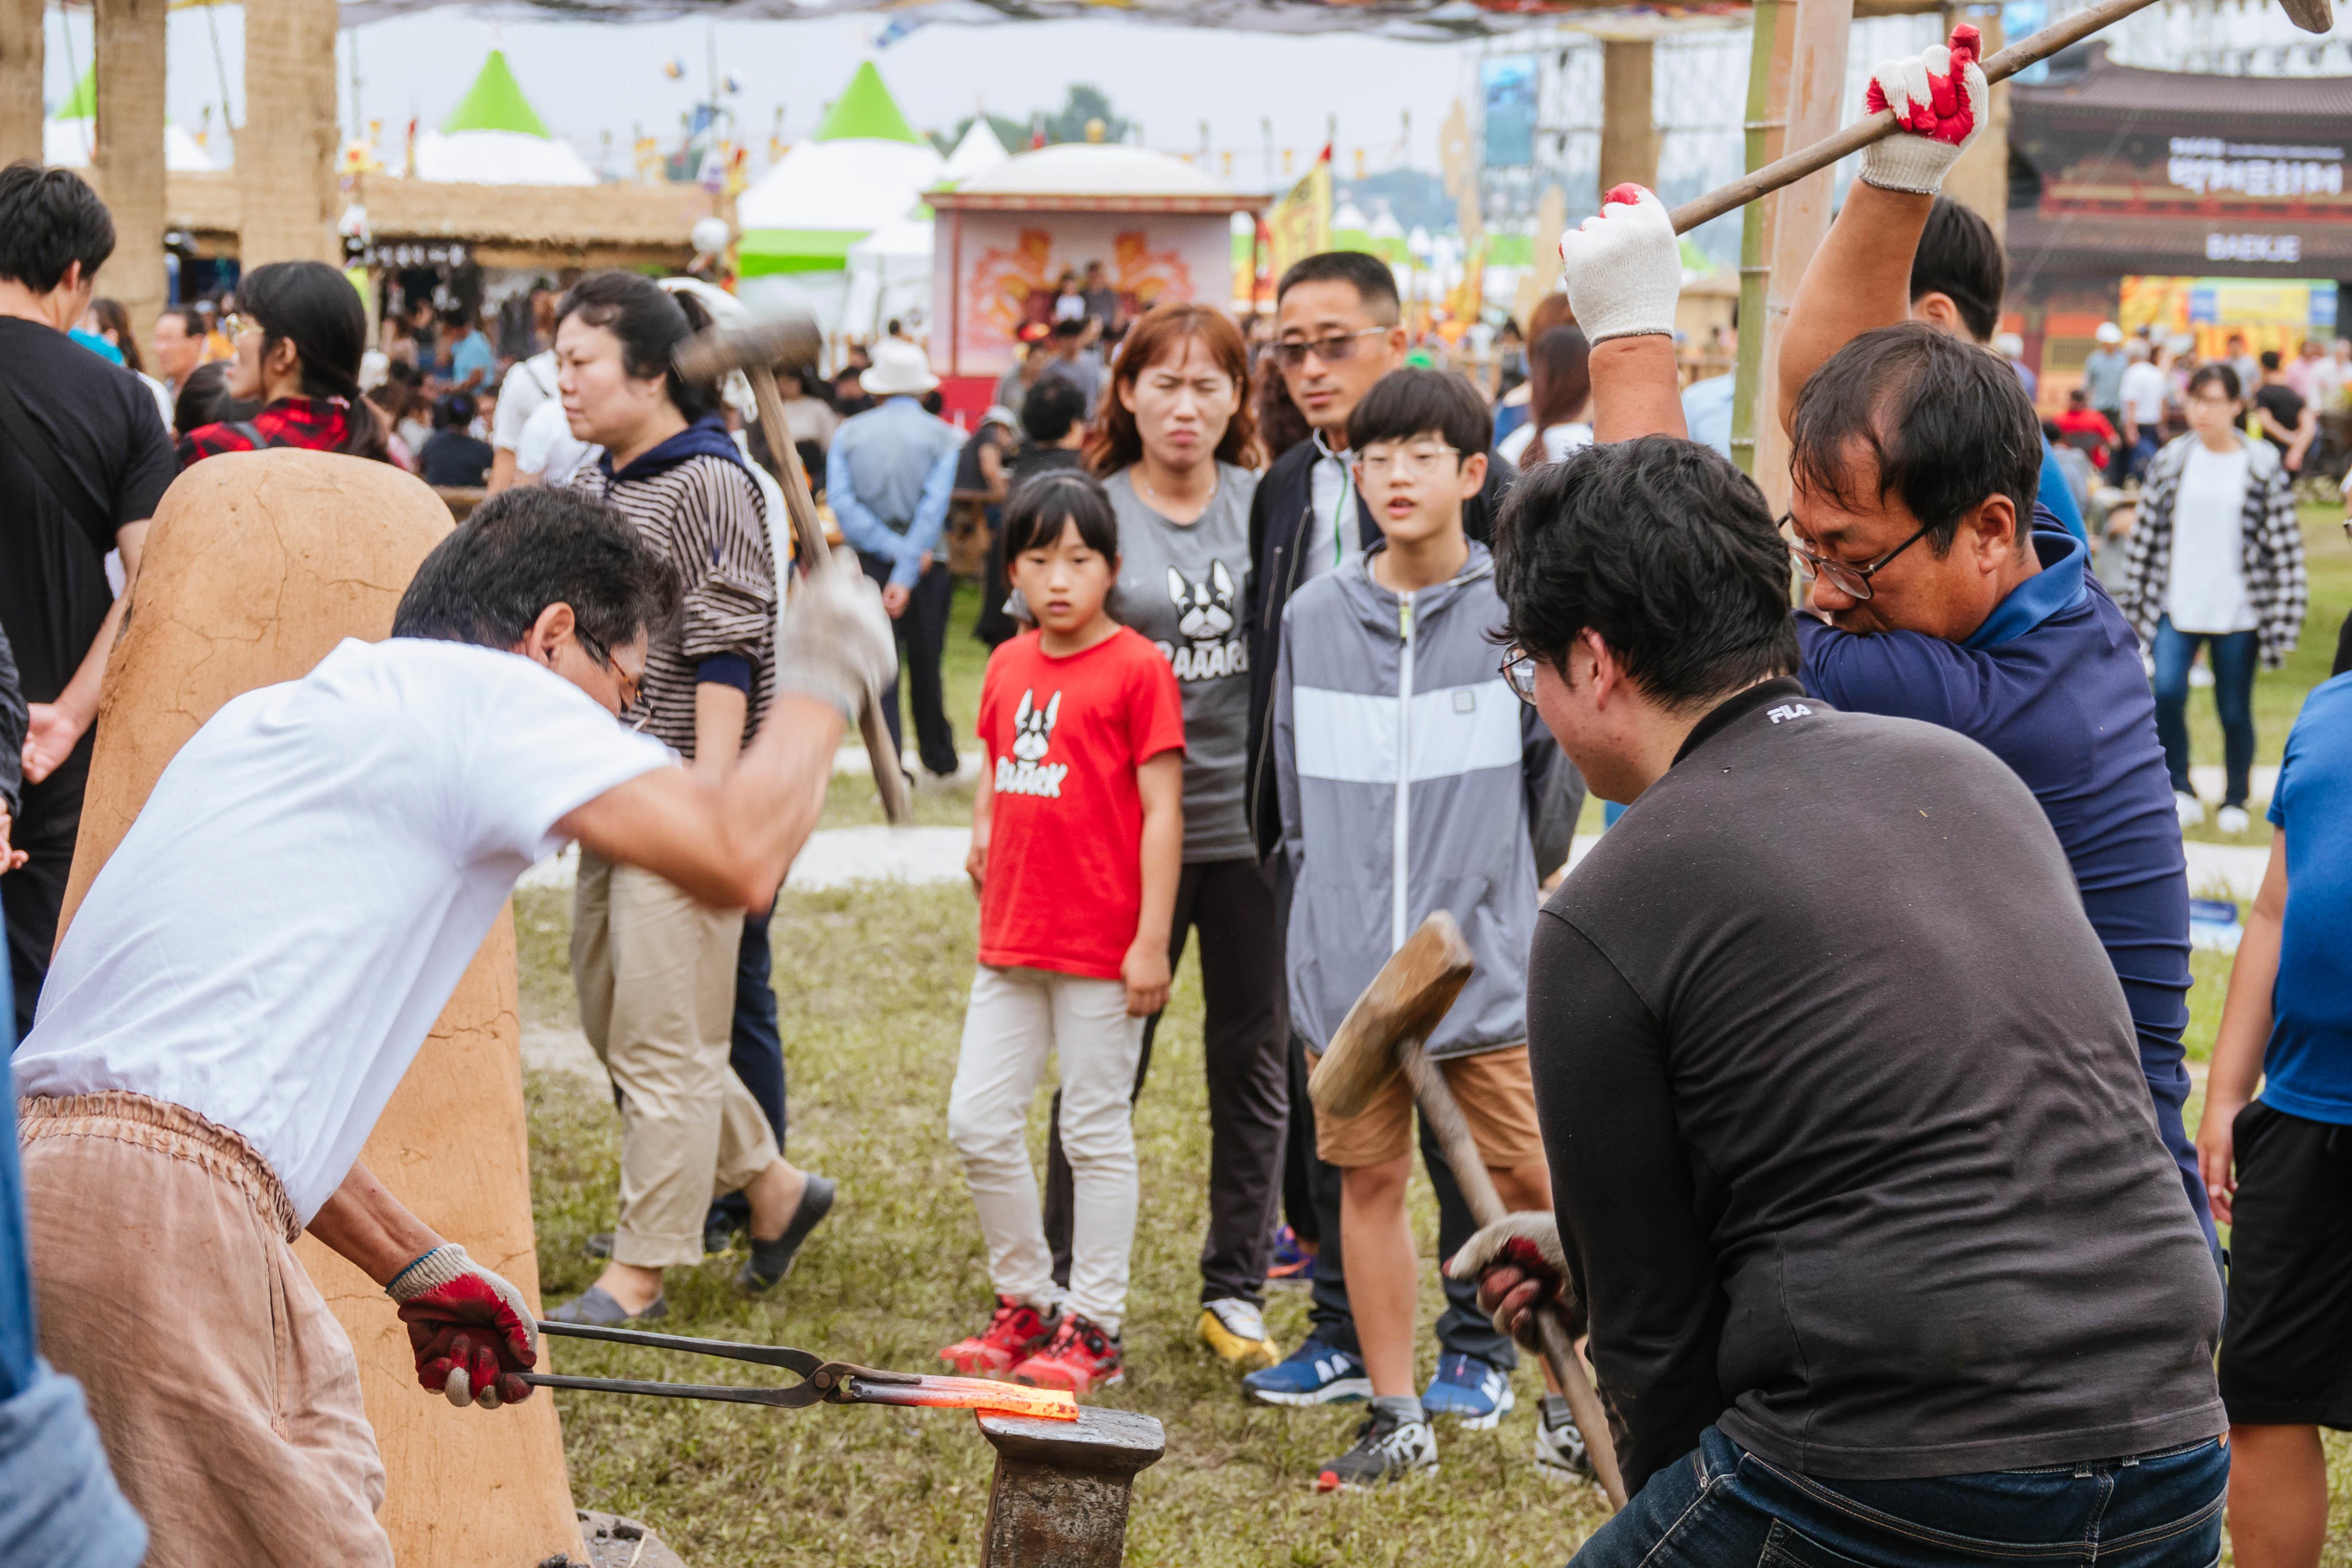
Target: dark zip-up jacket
1277,516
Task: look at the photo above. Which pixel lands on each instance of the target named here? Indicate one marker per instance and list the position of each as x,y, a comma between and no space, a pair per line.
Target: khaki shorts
1498,1100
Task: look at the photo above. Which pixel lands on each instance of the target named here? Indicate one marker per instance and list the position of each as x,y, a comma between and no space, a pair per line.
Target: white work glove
1939,98
1623,268
1520,1268
470,1328
837,645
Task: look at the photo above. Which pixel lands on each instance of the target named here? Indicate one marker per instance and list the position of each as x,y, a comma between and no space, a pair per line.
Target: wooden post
22,50
1980,179
1629,130
1767,82
285,148
1818,31
127,164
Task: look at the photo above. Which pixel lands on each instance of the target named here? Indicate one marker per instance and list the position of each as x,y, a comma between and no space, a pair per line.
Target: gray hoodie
1412,779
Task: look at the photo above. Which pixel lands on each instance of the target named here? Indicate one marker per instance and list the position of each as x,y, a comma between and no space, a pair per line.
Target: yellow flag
1301,224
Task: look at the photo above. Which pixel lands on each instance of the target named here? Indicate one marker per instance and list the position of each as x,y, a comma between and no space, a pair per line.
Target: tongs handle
791,1398
785,1356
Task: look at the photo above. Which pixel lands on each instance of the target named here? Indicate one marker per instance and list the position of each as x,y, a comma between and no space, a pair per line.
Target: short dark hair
1416,401
190,323
2076,394
1959,257
1052,406
1048,502
49,219
454,412
1374,284
2207,374
1946,424
205,400
529,547
2270,359
1070,327
1663,549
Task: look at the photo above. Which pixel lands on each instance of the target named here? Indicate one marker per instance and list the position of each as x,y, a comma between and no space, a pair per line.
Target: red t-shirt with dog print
1064,737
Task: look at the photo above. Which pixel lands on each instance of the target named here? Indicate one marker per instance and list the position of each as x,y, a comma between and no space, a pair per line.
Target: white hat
898,368
2109,332
2008,344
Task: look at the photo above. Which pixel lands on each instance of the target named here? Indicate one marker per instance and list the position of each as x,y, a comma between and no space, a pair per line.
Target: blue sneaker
1478,1392
1315,1373
1293,1264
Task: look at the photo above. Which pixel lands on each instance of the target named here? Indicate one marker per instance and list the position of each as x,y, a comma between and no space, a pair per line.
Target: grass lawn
870,984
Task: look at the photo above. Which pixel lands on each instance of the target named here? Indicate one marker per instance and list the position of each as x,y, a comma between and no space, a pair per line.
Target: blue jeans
2233,655
1722,1506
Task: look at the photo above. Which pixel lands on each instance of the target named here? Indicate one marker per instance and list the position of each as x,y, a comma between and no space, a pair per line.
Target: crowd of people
1837,1091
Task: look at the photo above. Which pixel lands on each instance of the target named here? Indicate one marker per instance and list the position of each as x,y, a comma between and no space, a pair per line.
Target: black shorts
2286,1353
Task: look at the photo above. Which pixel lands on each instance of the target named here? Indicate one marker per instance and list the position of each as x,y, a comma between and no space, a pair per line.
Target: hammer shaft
1435,1098
808,543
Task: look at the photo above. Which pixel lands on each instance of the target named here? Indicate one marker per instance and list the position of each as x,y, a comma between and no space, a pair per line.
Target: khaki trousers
226,1391
656,973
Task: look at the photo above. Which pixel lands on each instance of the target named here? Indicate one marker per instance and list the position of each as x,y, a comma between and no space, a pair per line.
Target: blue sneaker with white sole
1314,1374
1477,1393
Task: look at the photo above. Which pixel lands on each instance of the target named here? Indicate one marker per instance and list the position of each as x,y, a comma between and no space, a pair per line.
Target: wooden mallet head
787,343
1398,1011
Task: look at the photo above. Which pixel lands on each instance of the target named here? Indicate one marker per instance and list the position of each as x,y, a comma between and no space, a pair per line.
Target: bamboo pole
22,54
127,166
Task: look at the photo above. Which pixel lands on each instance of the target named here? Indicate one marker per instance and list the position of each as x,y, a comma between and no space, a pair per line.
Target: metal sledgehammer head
785,342
1401,1006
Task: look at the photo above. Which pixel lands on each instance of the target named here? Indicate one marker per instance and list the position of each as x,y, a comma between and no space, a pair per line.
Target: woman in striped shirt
656,972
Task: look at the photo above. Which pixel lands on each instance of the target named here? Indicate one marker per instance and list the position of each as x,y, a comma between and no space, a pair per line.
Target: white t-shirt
282,925
2207,592
547,447
1559,440
2143,392
529,385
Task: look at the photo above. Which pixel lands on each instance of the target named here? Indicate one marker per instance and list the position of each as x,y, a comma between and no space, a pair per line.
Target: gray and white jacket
1411,779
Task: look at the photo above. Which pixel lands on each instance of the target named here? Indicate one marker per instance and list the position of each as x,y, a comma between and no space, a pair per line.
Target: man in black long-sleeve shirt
1856,1176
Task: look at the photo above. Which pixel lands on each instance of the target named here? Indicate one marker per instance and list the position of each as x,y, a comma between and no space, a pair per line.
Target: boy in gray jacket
1412,779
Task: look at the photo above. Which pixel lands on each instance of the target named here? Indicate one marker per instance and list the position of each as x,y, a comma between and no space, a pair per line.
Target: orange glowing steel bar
970,1393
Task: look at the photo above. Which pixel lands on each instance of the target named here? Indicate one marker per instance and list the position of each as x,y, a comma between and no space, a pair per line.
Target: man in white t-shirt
547,452
529,387
258,963
2143,392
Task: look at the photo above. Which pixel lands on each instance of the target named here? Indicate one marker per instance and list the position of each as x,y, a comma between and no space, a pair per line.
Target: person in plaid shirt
299,336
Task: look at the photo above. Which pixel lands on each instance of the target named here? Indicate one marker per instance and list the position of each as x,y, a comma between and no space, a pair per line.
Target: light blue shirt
474,353
888,477
1706,410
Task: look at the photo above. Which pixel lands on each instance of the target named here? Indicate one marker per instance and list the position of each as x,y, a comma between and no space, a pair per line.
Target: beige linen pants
656,973
226,1391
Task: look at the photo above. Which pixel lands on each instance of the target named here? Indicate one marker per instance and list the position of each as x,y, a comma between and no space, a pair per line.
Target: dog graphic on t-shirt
1204,614
1026,771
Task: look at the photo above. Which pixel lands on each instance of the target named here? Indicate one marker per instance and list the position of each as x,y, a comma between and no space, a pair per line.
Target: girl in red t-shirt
1077,840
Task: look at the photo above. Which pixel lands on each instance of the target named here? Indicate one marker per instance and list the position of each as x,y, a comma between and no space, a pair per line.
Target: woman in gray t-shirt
1170,443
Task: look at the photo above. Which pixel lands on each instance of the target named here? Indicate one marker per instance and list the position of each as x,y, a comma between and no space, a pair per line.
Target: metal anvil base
1062,1488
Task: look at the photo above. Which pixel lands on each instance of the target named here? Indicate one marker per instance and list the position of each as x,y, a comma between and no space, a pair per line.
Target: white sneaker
2232,819
2191,809
1560,1451
1388,1448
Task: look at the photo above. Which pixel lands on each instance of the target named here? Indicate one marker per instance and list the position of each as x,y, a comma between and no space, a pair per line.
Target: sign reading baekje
2209,166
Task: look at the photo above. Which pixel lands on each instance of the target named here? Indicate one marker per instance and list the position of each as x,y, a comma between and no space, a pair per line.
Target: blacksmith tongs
828,1381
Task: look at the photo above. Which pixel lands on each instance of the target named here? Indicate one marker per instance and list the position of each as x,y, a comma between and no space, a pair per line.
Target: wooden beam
126,165
22,50
286,150
1629,129
1768,104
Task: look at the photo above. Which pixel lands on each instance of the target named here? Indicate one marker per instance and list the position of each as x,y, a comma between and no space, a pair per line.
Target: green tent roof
494,103
83,104
865,111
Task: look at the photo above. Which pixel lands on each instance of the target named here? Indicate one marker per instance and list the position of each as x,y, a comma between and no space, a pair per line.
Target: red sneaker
1013,1331
1080,1358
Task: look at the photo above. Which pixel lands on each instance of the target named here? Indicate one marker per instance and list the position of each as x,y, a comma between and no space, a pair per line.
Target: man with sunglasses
1938,590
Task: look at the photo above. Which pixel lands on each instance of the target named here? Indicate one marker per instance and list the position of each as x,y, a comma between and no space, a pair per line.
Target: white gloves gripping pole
1939,98
838,645
1623,268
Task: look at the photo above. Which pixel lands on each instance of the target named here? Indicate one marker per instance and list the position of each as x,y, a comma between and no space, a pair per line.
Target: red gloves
1520,1268
470,1328
1939,98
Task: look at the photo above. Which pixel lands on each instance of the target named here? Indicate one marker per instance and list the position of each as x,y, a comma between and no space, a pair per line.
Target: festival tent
978,152
864,168
494,137
69,134
889,275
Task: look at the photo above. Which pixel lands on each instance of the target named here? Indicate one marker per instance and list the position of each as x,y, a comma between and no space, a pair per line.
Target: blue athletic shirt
2052,685
2056,497
2307,1066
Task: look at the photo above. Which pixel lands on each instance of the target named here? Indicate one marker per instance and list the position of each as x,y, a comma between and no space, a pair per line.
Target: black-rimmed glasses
1339,346
1851,578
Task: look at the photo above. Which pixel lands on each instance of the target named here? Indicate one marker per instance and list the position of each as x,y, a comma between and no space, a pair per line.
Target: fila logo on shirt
1026,771
1789,710
1204,614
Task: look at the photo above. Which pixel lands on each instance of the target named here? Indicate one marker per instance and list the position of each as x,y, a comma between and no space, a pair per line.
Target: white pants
1016,1016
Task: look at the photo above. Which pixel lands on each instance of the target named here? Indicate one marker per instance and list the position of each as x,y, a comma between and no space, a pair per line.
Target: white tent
848,187
67,143
978,152
889,275
500,158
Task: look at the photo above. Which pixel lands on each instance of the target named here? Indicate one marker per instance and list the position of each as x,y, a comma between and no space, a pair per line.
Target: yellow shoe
1236,1331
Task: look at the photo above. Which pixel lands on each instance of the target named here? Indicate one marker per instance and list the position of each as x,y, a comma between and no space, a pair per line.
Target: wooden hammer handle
808,543
1435,1098
1847,140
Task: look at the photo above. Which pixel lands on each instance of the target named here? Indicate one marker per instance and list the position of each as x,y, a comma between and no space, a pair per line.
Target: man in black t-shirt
1857,1180
99,461
2287,420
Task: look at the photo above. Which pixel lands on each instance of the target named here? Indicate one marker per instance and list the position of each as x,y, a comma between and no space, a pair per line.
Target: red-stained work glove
470,1328
1939,97
1520,1268
1622,266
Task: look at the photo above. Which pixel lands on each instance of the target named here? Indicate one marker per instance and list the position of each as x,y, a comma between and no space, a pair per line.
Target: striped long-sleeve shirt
704,513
